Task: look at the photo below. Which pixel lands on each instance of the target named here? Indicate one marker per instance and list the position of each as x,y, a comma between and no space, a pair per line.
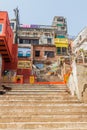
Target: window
12,25
64,50
24,52
47,34
28,41
20,54
20,41
1,41
49,40
58,50
60,19
28,54
24,41
37,53
0,28
63,28
49,54
34,41
35,34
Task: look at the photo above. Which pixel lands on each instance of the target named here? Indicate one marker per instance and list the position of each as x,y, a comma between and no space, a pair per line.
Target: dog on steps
2,92
6,88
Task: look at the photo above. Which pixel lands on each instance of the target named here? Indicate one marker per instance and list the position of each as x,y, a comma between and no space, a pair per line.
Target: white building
80,41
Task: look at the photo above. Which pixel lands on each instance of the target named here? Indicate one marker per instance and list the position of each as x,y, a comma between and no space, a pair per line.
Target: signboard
24,65
61,40
37,26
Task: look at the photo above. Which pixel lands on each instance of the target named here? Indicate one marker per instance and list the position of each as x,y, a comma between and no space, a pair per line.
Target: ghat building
31,44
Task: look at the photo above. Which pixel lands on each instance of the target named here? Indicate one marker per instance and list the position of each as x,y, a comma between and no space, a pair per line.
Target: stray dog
6,88
2,92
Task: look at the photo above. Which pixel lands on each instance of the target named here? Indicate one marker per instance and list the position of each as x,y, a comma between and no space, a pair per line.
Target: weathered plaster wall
82,80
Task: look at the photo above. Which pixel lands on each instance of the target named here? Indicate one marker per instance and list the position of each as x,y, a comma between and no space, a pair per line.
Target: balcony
61,42
27,34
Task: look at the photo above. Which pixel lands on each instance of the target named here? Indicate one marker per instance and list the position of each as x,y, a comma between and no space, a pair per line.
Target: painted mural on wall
8,76
24,52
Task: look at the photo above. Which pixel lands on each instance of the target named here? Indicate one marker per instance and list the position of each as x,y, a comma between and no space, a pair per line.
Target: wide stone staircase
41,107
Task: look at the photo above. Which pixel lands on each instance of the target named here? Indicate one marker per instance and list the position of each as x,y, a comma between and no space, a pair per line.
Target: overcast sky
43,11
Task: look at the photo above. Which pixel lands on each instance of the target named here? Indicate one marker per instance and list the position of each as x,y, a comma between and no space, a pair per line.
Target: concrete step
35,85
41,106
49,129
34,92
45,118
28,113
37,97
43,109
52,94
38,102
35,125
39,87
62,88
44,104
38,90
33,99
47,107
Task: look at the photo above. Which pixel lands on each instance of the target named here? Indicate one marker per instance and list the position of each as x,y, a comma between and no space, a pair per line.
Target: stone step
45,104
37,97
44,110
45,118
33,99
41,106
38,87
52,94
38,102
36,92
47,107
64,88
50,129
35,125
35,85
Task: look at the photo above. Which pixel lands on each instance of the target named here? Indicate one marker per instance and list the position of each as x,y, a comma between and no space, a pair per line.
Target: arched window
28,54
20,54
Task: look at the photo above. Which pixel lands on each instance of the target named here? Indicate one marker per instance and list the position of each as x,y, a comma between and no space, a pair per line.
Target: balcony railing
61,40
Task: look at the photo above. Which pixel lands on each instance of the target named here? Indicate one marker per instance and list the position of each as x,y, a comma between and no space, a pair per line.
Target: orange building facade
8,50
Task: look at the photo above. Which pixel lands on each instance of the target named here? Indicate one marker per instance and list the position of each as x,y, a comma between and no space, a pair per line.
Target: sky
42,12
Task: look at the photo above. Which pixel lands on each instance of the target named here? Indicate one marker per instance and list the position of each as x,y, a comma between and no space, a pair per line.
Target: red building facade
8,50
